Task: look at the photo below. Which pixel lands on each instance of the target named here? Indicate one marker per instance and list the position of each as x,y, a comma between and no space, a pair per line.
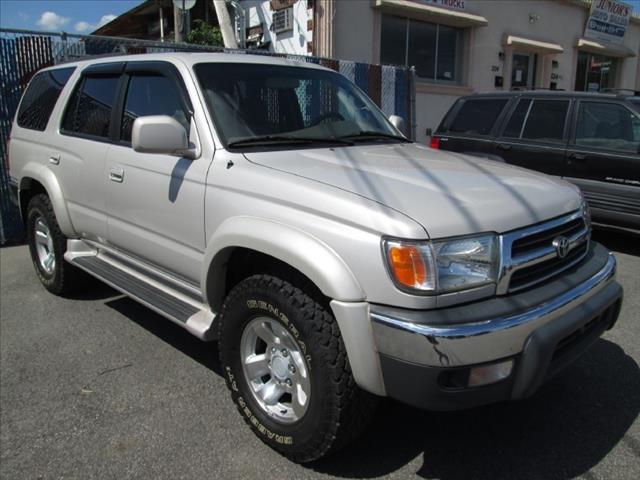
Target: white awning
530,45
599,48
431,13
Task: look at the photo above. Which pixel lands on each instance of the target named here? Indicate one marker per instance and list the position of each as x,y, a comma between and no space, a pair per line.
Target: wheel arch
34,180
286,246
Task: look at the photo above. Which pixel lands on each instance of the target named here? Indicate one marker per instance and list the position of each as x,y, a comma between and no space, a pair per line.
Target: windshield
257,104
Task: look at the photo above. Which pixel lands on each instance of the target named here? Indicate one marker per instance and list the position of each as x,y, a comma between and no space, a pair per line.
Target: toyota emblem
561,244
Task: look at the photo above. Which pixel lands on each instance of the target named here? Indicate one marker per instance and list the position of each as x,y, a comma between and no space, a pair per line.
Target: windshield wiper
372,135
285,139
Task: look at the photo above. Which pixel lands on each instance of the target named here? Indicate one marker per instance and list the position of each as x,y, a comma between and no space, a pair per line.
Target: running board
183,310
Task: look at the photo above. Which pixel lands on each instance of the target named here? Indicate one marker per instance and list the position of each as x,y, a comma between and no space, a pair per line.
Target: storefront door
595,73
523,71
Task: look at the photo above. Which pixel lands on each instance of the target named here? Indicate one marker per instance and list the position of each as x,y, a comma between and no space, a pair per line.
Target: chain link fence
24,52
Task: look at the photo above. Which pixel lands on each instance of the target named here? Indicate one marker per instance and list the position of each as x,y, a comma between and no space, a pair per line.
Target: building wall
292,42
356,34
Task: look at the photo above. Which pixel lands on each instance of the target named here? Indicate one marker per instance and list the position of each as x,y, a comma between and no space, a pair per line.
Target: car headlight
586,211
443,266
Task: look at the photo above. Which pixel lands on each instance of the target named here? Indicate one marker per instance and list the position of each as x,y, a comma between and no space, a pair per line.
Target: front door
603,159
155,202
523,71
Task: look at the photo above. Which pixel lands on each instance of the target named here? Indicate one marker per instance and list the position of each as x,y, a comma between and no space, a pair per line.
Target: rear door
535,134
469,126
603,159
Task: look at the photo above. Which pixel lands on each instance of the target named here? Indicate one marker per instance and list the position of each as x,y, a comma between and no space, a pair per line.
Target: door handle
116,175
54,159
579,157
503,146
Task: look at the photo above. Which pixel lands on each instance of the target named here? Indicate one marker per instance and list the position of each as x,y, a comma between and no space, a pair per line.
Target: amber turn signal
407,265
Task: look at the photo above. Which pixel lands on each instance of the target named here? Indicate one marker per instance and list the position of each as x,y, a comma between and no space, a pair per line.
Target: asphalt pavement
98,386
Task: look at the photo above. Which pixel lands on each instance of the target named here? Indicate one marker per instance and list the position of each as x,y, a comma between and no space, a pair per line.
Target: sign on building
455,4
608,21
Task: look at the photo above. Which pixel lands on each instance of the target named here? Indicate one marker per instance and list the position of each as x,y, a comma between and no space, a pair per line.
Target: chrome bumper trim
483,341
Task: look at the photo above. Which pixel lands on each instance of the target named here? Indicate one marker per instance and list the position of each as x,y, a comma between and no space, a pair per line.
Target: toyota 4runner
270,206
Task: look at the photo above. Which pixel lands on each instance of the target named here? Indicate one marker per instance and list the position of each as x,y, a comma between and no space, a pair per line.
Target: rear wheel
287,369
47,245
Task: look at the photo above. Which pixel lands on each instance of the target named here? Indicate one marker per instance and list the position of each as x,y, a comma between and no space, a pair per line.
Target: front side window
40,98
151,95
477,116
434,49
89,109
261,103
609,126
540,120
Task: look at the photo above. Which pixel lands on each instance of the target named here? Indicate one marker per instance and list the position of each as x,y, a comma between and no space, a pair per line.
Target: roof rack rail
528,89
621,91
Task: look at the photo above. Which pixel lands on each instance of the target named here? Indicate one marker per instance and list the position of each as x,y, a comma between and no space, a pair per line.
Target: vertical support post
161,24
412,104
63,41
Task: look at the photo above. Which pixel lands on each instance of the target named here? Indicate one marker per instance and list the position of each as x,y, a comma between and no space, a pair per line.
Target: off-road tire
65,278
338,410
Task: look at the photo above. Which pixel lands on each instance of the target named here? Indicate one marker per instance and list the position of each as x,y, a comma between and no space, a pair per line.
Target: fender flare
41,174
302,251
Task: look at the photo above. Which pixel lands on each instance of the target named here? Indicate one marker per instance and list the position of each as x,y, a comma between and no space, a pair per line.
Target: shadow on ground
564,430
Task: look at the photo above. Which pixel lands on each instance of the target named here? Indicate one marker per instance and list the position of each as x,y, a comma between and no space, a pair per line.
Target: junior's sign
608,21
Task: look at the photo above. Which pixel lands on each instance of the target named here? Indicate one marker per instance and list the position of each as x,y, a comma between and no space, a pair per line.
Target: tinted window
40,98
89,110
151,95
546,120
478,116
608,125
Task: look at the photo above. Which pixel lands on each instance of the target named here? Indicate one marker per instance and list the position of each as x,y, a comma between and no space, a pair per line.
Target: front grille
543,270
543,239
530,257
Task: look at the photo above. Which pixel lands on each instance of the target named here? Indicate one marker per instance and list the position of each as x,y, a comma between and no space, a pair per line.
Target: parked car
590,139
270,206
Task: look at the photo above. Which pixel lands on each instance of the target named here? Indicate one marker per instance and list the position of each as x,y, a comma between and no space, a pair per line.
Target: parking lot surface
98,386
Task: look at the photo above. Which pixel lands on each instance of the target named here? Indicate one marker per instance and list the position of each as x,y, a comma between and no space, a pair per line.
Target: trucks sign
608,21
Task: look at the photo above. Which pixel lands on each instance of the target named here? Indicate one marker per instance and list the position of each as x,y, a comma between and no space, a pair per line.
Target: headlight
586,212
443,266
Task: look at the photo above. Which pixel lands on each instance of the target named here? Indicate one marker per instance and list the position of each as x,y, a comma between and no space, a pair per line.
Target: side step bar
170,303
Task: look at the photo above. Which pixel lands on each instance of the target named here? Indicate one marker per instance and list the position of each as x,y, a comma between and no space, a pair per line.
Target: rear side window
151,95
89,109
477,116
41,96
541,120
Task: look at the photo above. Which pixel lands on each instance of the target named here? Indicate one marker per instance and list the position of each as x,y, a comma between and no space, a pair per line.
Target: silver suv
270,206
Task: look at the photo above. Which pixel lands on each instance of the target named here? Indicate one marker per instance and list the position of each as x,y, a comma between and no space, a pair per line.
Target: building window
595,72
434,49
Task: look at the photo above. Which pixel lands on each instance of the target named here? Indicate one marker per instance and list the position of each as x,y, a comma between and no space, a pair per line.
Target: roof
549,93
192,58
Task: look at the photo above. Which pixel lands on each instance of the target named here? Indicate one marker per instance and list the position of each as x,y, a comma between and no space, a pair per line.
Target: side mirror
397,122
160,134
429,132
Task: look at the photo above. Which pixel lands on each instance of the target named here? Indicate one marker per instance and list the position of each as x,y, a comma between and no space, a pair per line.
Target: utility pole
226,27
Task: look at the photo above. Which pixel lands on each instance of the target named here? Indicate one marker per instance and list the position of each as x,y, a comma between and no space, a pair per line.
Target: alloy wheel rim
275,370
44,246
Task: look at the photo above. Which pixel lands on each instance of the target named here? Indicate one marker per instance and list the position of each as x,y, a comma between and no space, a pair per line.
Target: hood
448,194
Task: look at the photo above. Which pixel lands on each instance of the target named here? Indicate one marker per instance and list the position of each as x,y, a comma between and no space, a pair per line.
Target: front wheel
287,369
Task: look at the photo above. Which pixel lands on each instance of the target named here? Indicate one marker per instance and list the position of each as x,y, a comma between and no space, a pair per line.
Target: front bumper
542,330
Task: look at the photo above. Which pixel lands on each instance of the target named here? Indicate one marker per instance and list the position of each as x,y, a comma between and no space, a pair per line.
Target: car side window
151,95
540,119
41,96
477,116
89,108
608,125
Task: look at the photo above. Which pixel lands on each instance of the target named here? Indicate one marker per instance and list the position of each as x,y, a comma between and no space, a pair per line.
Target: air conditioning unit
282,20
